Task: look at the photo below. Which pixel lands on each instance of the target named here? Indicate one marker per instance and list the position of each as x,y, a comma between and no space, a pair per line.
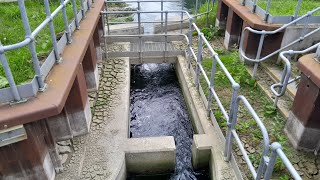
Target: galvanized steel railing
264,13
285,77
285,80
266,166
19,93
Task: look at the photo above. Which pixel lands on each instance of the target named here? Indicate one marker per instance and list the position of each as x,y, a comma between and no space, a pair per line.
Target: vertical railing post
197,9
199,60
8,72
166,36
231,123
139,30
82,9
52,32
267,14
88,4
213,71
207,13
255,68
65,20
139,18
190,42
254,8
161,16
317,55
107,18
32,47
74,7
272,160
181,21
243,2
104,34
296,14
305,27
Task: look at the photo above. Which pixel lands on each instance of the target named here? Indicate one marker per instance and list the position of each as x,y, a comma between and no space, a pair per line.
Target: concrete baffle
303,125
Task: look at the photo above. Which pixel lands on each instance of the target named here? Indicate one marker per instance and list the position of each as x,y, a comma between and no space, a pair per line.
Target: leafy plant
210,32
3,82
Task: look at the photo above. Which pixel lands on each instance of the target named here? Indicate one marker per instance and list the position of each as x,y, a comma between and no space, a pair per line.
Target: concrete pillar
303,125
201,151
222,14
75,118
77,106
60,127
90,66
251,43
233,29
29,159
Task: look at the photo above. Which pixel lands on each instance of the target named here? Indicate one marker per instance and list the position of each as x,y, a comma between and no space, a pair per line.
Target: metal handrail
277,152
258,59
285,77
30,41
230,117
231,133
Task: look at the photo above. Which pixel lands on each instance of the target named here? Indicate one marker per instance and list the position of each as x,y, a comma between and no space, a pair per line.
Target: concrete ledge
253,20
152,155
125,29
201,151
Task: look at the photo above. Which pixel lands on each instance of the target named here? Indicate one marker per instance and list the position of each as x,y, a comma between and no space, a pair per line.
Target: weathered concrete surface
171,25
125,29
293,33
107,152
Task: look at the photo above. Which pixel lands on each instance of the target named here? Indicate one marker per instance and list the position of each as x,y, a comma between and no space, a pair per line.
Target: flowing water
158,109
187,5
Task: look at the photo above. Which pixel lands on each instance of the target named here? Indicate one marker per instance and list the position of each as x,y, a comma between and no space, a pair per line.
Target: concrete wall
293,33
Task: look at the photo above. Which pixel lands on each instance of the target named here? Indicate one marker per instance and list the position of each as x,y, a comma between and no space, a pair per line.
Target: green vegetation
246,126
288,7
12,31
201,21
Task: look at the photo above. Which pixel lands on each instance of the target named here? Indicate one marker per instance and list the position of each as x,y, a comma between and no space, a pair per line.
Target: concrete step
264,81
275,74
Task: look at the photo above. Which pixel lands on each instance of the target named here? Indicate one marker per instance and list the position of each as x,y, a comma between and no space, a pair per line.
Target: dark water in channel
158,109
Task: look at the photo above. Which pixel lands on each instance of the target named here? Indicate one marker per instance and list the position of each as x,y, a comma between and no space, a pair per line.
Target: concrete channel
108,152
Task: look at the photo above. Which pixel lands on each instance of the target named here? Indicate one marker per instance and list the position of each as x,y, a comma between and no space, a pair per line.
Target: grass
288,7
12,31
246,126
201,21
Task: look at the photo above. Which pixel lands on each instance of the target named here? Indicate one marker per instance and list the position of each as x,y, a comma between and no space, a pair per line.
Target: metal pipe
65,21
74,7
190,42
8,73
82,8
297,9
267,11
213,71
255,68
199,60
88,4
197,4
277,151
161,16
52,31
31,45
232,118
182,5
